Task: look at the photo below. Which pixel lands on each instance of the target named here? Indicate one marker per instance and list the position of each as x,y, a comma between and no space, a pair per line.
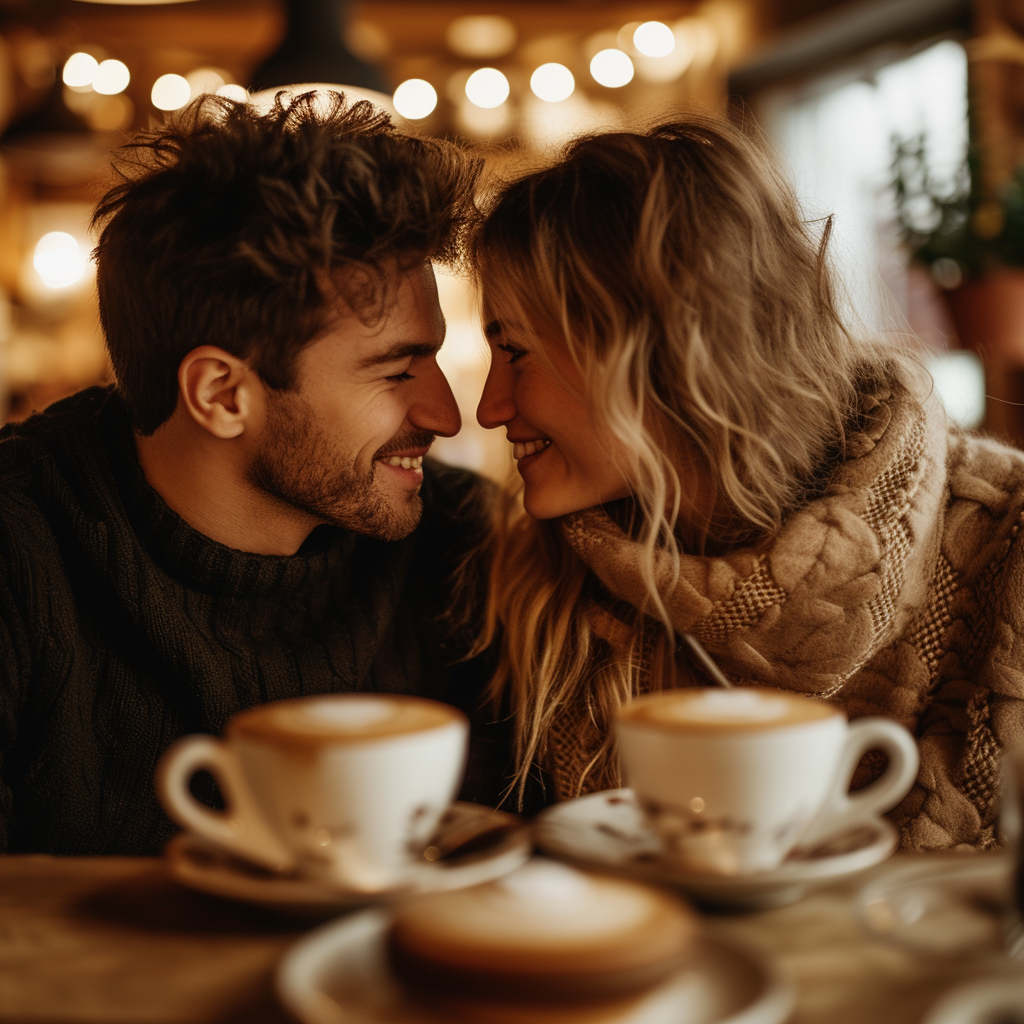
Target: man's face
346,444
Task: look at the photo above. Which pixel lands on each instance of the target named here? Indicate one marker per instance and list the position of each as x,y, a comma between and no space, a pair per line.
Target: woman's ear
218,390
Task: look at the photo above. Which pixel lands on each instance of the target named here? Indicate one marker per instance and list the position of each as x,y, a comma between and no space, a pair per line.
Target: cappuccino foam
741,708
339,718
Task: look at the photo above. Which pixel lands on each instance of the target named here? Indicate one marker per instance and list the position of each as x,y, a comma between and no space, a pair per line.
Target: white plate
953,905
339,974
608,830
996,1001
503,844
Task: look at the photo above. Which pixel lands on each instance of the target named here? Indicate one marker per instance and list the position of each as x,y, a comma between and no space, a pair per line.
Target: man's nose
496,406
435,409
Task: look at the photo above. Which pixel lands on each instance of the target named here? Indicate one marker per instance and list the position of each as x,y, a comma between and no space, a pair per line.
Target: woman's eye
397,378
514,351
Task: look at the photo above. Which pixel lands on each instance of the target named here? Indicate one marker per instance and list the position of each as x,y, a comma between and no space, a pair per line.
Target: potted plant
973,246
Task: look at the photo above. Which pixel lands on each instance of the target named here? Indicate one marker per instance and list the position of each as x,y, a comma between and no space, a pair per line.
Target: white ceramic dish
608,831
953,905
501,845
339,974
995,1001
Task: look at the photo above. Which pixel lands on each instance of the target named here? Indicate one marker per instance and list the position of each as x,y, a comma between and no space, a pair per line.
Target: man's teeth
520,449
404,462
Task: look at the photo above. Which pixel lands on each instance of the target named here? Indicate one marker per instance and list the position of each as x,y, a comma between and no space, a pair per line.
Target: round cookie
545,932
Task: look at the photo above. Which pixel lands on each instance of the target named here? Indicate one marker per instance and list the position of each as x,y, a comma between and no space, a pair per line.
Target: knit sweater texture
897,591
122,629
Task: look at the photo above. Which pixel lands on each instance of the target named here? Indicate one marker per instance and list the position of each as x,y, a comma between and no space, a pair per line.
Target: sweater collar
190,556
845,572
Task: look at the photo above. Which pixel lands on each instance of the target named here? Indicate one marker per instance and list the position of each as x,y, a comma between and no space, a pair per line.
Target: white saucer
952,905
340,974
994,1001
501,845
608,830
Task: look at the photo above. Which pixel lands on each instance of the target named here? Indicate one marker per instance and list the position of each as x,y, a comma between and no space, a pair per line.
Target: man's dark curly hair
226,225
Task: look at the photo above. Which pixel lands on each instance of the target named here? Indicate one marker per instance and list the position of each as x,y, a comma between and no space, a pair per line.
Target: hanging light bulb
612,68
552,82
487,88
415,99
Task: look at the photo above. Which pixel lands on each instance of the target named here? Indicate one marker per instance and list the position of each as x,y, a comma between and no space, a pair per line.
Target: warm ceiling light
111,78
654,39
483,35
552,82
487,88
58,259
415,99
612,68
170,92
234,92
80,70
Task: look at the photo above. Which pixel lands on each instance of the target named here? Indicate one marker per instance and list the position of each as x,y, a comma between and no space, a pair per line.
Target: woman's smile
525,449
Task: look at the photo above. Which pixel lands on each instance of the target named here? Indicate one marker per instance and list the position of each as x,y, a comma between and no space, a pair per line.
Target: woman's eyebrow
492,329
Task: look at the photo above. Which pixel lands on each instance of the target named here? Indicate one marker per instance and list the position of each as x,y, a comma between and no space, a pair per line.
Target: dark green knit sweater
122,628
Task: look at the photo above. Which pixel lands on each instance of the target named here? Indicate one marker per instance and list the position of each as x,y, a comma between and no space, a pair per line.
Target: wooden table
110,940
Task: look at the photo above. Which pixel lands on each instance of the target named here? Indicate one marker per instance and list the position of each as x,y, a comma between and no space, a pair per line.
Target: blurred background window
836,132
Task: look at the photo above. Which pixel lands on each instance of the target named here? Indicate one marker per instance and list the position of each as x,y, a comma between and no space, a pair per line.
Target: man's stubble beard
300,466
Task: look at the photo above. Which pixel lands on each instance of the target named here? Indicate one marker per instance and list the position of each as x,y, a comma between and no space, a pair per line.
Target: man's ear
218,390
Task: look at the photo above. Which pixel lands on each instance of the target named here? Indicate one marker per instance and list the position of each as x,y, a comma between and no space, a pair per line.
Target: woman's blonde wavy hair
700,309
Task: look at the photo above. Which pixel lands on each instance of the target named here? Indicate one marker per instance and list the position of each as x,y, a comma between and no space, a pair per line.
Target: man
247,515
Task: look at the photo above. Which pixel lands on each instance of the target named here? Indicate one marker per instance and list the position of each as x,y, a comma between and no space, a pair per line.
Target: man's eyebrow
403,350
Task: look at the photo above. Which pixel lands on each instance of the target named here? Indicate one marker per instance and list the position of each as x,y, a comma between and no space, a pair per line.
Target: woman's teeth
404,462
520,449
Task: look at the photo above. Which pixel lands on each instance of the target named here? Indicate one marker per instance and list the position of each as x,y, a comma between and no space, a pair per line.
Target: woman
706,448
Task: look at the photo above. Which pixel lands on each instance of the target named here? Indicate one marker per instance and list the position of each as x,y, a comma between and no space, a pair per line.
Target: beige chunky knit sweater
899,592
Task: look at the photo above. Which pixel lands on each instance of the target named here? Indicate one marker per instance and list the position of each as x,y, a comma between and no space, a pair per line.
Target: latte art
727,706
741,709
337,718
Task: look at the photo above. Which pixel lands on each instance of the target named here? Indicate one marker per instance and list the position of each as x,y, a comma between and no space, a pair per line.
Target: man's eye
514,351
397,378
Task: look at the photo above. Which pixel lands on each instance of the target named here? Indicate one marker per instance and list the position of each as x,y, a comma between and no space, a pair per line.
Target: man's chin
388,521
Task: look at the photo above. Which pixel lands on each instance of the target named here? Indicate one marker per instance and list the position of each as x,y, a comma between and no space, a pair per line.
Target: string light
111,78
80,70
612,68
58,259
552,82
415,99
487,88
170,92
654,39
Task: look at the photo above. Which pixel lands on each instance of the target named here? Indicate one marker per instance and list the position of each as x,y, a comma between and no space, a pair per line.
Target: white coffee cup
347,789
733,780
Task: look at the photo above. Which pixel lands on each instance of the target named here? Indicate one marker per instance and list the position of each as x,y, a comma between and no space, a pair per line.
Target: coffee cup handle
844,810
240,829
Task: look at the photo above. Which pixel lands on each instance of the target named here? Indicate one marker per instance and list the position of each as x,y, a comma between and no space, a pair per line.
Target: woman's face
567,463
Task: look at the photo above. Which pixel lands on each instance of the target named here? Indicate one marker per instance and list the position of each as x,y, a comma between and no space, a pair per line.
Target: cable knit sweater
122,628
899,591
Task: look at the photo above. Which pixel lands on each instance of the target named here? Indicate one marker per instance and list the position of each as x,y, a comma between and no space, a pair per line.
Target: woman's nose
496,406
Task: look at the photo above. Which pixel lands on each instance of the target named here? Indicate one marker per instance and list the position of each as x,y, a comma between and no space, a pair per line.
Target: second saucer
608,830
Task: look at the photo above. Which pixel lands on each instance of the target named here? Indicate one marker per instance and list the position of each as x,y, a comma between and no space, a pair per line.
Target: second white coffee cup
734,779
346,789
